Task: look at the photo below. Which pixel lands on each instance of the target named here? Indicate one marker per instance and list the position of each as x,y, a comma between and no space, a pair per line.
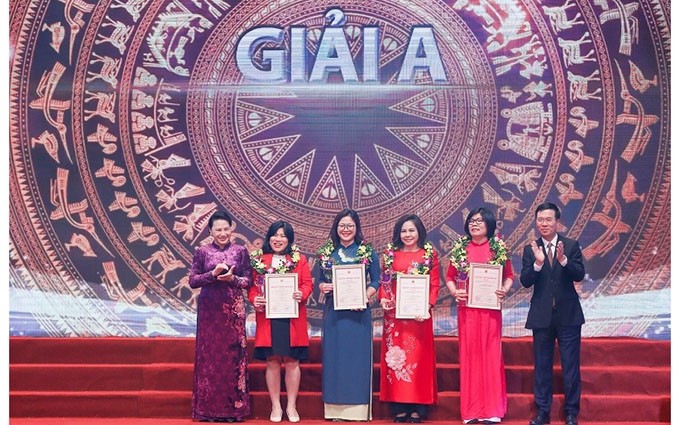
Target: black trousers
569,342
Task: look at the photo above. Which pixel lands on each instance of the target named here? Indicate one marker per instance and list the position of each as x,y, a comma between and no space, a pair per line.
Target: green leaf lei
258,265
416,268
325,254
459,258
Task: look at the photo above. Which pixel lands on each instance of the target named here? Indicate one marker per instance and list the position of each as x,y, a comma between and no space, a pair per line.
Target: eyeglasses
346,226
476,221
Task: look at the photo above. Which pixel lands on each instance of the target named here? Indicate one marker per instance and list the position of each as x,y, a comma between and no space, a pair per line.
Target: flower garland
459,257
325,254
365,252
416,267
258,265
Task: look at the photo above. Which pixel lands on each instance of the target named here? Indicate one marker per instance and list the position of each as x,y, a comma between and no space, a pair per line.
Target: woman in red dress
280,341
408,376
483,396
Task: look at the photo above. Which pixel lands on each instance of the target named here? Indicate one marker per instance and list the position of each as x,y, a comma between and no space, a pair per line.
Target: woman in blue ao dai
347,344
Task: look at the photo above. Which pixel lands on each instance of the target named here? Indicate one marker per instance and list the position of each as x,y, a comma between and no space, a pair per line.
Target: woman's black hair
488,217
287,230
396,234
333,235
219,215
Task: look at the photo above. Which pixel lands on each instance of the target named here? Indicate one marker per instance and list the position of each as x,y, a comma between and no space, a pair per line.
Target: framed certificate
413,296
279,290
349,286
485,279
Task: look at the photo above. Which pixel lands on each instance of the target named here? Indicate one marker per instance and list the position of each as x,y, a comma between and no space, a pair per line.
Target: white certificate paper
413,296
485,279
279,290
349,286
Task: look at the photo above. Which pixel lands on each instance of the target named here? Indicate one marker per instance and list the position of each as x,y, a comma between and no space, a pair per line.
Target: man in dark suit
551,264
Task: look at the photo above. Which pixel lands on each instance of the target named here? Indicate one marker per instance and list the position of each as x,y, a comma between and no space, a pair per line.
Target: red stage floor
164,421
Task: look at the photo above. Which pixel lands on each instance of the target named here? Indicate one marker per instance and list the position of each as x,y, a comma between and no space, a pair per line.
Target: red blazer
298,327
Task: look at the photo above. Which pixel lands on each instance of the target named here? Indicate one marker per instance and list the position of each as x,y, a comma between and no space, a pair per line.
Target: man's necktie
550,261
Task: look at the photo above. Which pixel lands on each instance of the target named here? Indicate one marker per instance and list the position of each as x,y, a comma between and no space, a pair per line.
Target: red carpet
624,380
305,421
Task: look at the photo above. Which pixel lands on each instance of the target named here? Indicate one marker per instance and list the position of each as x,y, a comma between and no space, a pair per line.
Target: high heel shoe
414,418
276,416
293,415
400,418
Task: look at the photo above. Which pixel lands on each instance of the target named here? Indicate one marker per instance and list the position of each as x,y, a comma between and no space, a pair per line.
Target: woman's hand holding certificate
259,302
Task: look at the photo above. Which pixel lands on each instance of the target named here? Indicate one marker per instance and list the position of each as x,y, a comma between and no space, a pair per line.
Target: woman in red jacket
280,341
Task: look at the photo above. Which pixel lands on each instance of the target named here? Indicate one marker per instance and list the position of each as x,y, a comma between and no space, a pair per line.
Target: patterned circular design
309,150
133,120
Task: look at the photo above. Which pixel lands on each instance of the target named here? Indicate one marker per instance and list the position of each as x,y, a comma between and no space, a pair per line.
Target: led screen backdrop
133,120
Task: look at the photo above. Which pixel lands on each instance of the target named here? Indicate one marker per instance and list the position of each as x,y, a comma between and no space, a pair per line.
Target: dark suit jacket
557,281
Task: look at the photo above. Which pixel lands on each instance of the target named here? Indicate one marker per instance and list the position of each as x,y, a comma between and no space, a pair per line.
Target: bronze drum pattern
131,122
